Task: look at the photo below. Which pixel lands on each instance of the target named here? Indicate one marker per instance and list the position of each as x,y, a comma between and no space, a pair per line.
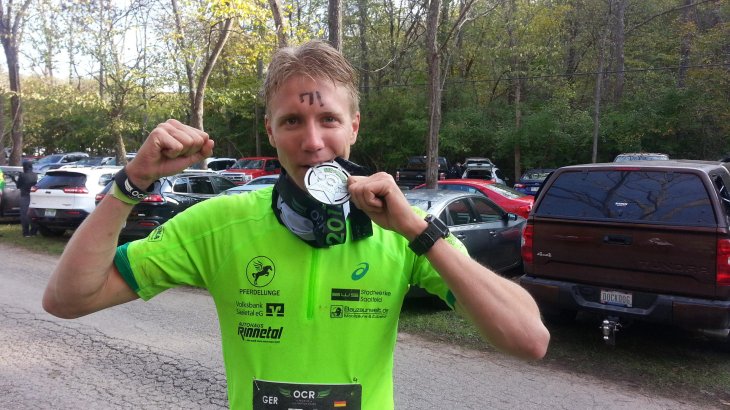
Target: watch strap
436,229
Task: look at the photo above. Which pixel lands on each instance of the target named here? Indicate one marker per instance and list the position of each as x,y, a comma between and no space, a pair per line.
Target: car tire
50,232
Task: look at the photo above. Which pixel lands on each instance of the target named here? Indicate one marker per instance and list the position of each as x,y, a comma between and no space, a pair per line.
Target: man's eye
329,119
291,121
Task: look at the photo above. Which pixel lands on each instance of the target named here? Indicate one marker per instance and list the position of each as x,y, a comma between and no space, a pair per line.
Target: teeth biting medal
327,183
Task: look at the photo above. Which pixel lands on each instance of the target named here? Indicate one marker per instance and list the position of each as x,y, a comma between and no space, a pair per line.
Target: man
308,306
24,182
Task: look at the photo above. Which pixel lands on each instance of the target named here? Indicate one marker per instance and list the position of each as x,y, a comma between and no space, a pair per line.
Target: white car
253,185
63,198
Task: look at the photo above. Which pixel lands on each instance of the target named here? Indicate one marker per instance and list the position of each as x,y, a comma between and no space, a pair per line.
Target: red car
246,169
504,196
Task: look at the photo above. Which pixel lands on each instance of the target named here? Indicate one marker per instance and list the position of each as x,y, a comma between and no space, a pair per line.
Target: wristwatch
436,229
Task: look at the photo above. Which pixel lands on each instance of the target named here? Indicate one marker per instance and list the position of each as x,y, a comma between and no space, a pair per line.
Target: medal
327,183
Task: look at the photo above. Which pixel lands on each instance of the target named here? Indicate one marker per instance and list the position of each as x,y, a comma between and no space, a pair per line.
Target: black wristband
126,187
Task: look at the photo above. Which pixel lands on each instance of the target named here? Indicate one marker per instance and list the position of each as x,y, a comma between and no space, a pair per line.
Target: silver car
491,235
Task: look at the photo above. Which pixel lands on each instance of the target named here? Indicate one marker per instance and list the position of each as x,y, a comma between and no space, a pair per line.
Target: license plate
534,189
49,213
612,297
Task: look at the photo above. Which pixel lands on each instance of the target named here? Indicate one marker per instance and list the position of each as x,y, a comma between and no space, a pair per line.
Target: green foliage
482,59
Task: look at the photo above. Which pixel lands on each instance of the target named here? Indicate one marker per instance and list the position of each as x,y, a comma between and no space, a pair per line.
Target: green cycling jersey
301,327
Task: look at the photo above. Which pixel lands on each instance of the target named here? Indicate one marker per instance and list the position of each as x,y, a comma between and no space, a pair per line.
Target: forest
527,83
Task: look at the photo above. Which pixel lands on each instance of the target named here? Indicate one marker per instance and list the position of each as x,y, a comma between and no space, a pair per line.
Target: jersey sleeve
425,276
182,251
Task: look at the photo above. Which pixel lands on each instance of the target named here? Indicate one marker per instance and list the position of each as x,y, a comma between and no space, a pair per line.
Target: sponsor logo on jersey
347,312
275,309
249,309
359,295
257,332
260,271
352,295
360,271
156,234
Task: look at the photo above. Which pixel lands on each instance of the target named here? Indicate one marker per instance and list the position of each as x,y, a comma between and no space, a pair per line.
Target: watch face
327,183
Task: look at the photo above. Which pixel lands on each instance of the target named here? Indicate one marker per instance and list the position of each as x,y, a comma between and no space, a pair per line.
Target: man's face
309,123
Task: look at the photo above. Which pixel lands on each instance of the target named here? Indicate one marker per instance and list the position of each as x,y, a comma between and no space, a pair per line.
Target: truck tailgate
627,256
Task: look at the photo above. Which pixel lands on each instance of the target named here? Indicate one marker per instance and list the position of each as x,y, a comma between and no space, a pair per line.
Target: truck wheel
50,232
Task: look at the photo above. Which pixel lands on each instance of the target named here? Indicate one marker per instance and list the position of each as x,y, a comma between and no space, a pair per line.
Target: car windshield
248,164
90,161
536,175
505,191
51,159
263,181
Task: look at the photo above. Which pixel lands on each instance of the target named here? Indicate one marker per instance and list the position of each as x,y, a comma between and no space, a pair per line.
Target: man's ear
269,132
355,127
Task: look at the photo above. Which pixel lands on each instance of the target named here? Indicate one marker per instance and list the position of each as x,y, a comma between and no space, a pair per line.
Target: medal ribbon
328,221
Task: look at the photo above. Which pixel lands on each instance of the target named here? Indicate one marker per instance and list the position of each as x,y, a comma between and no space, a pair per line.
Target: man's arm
85,279
504,312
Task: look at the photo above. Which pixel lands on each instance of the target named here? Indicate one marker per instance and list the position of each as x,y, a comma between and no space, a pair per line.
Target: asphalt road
165,354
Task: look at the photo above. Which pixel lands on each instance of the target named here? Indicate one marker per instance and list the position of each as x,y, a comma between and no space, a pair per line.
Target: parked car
215,164
9,194
491,235
169,196
483,170
649,241
531,181
253,185
414,172
246,169
63,198
88,162
641,156
504,196
57,160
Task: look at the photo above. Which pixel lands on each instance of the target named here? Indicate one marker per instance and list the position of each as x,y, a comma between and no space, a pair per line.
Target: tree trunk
597,97
335,23
188,63
278,22
433,61
686,45
619,27
10,29
516,84
3,158
197,109
364,52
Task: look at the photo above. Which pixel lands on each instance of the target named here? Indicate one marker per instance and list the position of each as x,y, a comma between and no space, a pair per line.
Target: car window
180,185
221,184
456,187
478,174
459,212
201,185
61,180
486,211
643,196
722,192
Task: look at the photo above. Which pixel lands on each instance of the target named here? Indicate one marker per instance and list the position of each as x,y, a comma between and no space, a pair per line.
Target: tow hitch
609,327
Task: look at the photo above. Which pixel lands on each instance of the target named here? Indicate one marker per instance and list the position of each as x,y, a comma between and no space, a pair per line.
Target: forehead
307,92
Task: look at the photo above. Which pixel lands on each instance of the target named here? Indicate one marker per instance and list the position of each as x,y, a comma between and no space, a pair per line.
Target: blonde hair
315,59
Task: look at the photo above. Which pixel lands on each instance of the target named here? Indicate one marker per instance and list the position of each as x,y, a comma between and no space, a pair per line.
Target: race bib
269,395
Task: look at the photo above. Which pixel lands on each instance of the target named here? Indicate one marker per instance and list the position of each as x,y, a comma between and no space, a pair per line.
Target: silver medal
327,183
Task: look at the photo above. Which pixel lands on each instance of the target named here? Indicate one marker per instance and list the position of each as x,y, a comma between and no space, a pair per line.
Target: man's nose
312,139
